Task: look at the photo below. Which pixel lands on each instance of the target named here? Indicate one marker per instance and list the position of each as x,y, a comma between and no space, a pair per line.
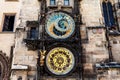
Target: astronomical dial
60,61
60,25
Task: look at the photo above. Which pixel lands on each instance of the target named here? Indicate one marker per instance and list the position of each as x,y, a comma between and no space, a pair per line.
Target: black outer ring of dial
74,54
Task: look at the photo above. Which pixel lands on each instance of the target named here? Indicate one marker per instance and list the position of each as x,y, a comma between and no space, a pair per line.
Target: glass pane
52,2
108,14
0,72
8,23
66,2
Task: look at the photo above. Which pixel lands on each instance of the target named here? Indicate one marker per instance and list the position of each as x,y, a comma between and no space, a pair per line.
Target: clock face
60,25
60,61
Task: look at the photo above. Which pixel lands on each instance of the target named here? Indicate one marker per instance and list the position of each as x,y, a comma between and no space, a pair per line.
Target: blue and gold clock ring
60,25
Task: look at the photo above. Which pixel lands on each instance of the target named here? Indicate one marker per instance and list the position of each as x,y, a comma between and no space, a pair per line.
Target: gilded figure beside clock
60,25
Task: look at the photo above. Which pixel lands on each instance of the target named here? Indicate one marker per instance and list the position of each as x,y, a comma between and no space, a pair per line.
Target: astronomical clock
59,25
60,61
56,37
62,51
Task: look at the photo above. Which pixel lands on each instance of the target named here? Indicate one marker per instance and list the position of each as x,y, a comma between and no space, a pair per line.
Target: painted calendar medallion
60,61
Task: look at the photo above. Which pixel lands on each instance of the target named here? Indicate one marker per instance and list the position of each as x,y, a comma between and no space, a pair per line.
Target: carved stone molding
5,66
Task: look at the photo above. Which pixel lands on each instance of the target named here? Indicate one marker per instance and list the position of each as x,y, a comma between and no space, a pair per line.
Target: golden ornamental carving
42,57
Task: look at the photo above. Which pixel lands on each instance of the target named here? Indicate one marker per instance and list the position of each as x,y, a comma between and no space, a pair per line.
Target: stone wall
115,45
29,11
94,48
22,56
91,12
112,74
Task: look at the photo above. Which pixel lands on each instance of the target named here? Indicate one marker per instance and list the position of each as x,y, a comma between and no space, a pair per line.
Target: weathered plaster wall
95,50
22,56
91,12
9,7
29,11
115,46
7,38
6,41
112,74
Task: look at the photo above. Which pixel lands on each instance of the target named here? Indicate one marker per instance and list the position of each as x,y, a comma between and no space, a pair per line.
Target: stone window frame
11,0
5,65
108,11
1,30
19,78
68,2
51,2
112,2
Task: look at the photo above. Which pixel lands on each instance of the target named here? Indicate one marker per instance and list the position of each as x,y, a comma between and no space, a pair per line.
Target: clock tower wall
88,38
91,12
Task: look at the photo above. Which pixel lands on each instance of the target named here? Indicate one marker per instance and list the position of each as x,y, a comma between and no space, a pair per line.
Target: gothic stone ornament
60,61
59,25
4,66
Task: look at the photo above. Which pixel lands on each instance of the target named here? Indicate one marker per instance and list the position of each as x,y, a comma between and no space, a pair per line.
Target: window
0,73
114,42
33,33
119,4
52,2
31,77
108,14
19,78
11,0
8,22
66,2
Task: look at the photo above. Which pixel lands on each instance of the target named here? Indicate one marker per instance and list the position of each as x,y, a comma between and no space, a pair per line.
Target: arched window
19,78
0,72
52,2
33,33
119,4
4,69
108,14
66,2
